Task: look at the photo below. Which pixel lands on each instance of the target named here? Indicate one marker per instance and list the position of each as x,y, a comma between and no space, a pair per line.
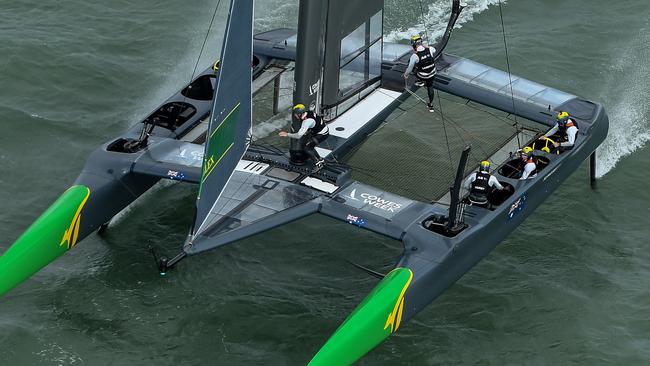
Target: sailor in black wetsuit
480,184
313,131
425,68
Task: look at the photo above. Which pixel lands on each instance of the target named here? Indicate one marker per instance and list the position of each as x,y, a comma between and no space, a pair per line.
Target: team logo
72,233
376,201
313,89
395,317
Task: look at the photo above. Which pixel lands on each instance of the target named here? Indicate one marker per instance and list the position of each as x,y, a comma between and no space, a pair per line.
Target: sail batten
231,116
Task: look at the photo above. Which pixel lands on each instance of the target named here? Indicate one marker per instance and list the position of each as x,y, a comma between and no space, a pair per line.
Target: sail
230,121
354,43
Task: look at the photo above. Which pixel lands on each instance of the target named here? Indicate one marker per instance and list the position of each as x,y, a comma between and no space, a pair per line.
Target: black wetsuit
426,71
480,189
313,137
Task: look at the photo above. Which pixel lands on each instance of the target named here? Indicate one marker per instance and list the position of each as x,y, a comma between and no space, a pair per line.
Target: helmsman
565,131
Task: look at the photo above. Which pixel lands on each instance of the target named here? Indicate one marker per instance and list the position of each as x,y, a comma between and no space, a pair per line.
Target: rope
424,21
512,94
455,124
205,40
444,127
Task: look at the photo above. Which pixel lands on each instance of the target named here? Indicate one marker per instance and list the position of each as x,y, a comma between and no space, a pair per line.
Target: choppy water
570,286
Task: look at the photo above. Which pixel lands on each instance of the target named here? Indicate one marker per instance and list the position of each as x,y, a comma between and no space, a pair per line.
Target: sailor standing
480,184
313,130
425,68
566,129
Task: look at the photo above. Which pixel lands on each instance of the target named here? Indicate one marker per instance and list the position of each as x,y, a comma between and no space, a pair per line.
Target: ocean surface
569,286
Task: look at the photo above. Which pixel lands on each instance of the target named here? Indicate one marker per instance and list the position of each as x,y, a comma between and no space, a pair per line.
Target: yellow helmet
484,166
527,150
299,109
415,40
562,116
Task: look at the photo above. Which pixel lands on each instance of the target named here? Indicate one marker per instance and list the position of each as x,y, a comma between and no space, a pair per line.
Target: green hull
51,235
376,318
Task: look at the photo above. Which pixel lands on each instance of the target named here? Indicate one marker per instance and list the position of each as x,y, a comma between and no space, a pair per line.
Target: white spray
628,88
436,19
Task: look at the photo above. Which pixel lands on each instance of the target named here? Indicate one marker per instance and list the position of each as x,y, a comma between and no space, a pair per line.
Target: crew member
530,167
313,130
480,184
425,68
565,131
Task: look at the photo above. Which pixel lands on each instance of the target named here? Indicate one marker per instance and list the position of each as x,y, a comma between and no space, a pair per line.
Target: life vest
478,192
531,160
562,127
426,67
320,124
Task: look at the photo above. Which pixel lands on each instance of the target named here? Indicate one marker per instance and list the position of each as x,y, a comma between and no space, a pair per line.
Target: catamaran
345,71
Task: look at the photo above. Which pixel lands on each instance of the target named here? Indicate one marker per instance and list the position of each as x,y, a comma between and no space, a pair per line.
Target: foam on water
437,15
629,88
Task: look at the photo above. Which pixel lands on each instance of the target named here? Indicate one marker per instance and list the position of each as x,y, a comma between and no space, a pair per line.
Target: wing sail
455,13
230,120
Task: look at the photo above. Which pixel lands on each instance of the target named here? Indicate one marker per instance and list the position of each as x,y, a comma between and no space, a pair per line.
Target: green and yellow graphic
376,318
51,235
219,144
72,233
395,317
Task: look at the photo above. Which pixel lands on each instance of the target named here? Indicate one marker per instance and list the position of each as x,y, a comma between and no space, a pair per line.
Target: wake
629,90
436,19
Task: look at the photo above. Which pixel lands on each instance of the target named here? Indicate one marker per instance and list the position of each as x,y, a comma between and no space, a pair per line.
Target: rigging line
454,124
424,21
205,40
442,116
444,128
512,94
273,97
269,147
457,126
469,103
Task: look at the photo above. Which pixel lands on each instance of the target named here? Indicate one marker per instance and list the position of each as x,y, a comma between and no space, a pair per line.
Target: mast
309,61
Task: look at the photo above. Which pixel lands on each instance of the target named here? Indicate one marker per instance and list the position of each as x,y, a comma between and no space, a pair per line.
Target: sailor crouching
480,184
563,133
313,130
